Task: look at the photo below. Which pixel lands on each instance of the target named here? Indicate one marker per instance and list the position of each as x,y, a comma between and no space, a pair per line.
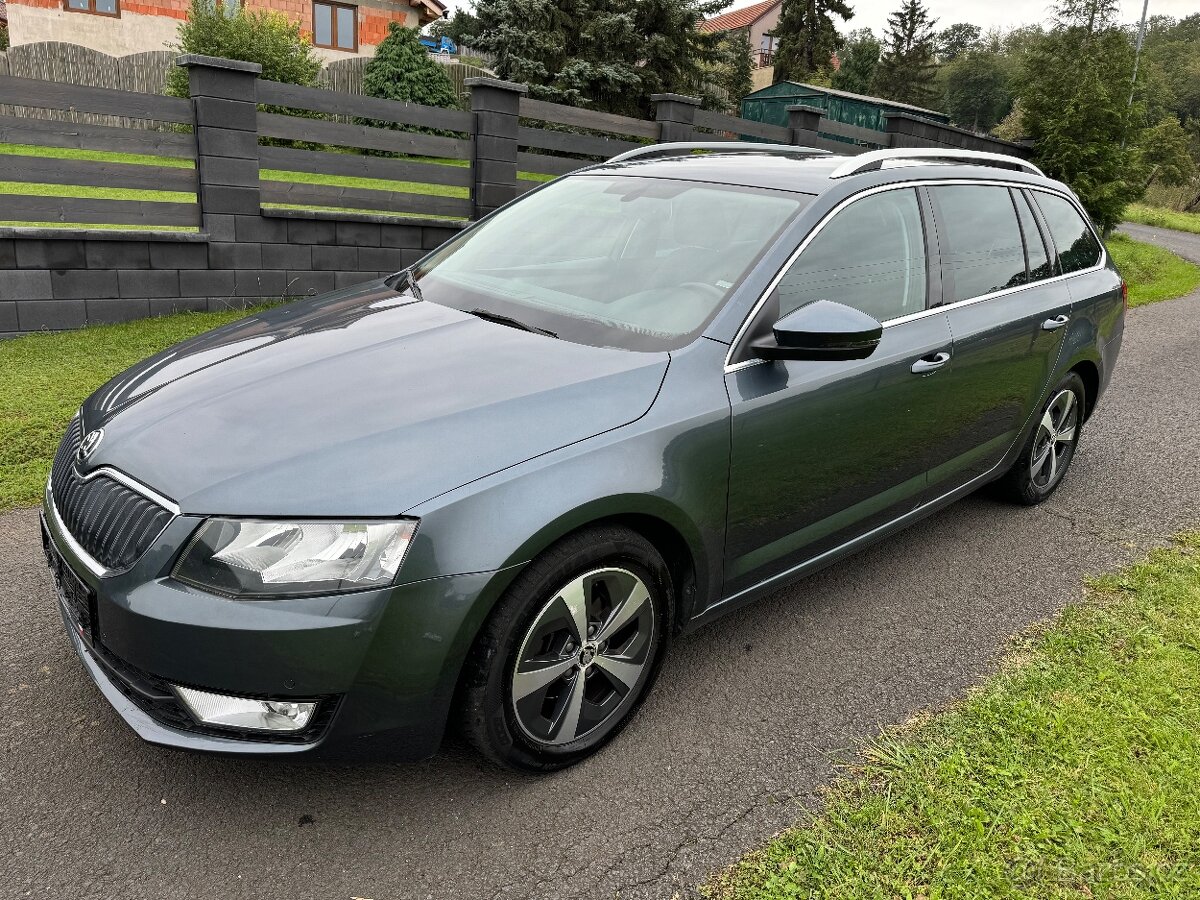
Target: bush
402,70
266,38
3,37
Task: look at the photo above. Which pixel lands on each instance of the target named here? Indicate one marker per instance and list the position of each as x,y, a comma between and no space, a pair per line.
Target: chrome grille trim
108,519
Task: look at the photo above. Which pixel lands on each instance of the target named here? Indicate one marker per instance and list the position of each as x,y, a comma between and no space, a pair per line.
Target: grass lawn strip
1152,272
1163,218
1072,773
45,377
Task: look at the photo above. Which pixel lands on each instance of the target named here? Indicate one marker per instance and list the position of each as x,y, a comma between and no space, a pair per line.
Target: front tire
1048,452
570,651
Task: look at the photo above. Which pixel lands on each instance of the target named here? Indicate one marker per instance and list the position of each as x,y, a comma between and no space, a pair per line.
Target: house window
335,25
95,7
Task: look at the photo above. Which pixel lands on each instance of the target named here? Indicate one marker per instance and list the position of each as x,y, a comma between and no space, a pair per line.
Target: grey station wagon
487,491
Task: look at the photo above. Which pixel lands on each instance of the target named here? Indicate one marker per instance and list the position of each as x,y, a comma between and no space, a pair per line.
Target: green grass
1152,273
44,378
137,159
1072,773
1163,218
102,193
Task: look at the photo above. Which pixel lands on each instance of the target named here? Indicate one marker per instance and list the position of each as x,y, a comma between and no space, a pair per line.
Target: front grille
113,523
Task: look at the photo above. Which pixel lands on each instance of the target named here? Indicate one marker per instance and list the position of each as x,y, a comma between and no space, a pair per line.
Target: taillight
1125,294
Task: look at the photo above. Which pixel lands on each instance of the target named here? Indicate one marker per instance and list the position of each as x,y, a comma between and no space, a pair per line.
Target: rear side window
1078,248
870,256
981,243
1035,248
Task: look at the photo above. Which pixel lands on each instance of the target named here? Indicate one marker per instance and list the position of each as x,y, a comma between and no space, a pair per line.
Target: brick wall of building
151,24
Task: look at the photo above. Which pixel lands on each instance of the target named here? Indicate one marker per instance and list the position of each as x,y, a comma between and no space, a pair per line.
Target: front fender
672,465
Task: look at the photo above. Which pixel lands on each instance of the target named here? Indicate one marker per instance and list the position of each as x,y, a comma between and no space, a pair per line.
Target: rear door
1008,315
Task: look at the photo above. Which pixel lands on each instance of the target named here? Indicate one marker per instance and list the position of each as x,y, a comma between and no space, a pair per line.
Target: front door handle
1055,323
930,363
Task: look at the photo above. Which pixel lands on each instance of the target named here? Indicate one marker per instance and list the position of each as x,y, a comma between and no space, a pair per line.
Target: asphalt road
746,724
1180,242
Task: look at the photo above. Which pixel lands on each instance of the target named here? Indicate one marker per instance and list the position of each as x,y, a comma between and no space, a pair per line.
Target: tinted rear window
981,243
1077,247
1039,261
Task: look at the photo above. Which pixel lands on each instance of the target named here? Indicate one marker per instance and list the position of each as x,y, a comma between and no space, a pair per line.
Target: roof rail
683,148
874,159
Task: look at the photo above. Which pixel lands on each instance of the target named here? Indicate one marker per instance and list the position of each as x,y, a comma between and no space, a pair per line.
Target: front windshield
611,260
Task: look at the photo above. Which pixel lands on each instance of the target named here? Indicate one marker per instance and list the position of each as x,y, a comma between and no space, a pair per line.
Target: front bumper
383,663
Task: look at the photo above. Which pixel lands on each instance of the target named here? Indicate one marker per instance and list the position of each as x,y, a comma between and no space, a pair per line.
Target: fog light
242,712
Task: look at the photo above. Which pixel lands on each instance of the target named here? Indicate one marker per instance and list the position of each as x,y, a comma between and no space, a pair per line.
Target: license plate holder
77,599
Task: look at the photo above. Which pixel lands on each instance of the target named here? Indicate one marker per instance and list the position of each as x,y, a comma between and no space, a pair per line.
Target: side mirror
821,330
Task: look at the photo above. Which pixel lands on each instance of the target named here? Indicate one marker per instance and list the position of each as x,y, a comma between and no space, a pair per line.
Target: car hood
362,403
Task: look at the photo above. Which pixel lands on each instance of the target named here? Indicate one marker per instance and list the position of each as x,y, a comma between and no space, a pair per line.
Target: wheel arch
661,523
1089,373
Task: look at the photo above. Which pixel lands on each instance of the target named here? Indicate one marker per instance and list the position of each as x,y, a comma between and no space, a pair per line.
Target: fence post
675,115
496,105
224,94
805,122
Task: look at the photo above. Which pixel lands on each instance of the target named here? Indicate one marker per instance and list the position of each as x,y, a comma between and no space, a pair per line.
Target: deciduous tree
977,92
956,40
266,38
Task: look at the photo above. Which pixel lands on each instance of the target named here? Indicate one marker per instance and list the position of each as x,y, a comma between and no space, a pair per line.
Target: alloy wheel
1055,440
583,659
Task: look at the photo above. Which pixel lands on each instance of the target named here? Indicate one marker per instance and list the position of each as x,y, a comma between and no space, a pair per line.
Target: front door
823,451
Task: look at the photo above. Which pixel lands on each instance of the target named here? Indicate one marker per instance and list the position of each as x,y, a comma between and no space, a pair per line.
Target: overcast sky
985,13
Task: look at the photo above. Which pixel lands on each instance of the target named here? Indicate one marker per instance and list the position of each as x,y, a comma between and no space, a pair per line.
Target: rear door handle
930,363
1055,323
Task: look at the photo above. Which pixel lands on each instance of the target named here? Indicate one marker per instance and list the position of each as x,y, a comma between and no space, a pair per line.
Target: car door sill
749,594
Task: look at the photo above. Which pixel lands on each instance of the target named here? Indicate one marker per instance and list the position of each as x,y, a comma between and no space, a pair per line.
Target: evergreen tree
402,69
859,58
906,69
807,37
1073,103
604,54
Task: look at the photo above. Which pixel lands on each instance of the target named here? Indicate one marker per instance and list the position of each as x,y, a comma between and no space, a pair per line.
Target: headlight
254,559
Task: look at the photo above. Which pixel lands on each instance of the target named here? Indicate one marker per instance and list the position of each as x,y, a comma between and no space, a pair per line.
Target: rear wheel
570,651
1048,452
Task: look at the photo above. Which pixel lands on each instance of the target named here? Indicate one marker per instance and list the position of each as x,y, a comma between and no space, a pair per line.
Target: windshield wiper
501,319
411,281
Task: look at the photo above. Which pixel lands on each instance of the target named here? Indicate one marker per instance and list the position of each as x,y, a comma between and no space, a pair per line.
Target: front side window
633,262
335,26
870,256
981,243
1078,248
95,7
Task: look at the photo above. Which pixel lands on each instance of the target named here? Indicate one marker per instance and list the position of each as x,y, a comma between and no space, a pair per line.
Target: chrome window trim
900,320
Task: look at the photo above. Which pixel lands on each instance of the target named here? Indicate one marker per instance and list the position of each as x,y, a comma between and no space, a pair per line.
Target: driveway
1183,243
746,724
